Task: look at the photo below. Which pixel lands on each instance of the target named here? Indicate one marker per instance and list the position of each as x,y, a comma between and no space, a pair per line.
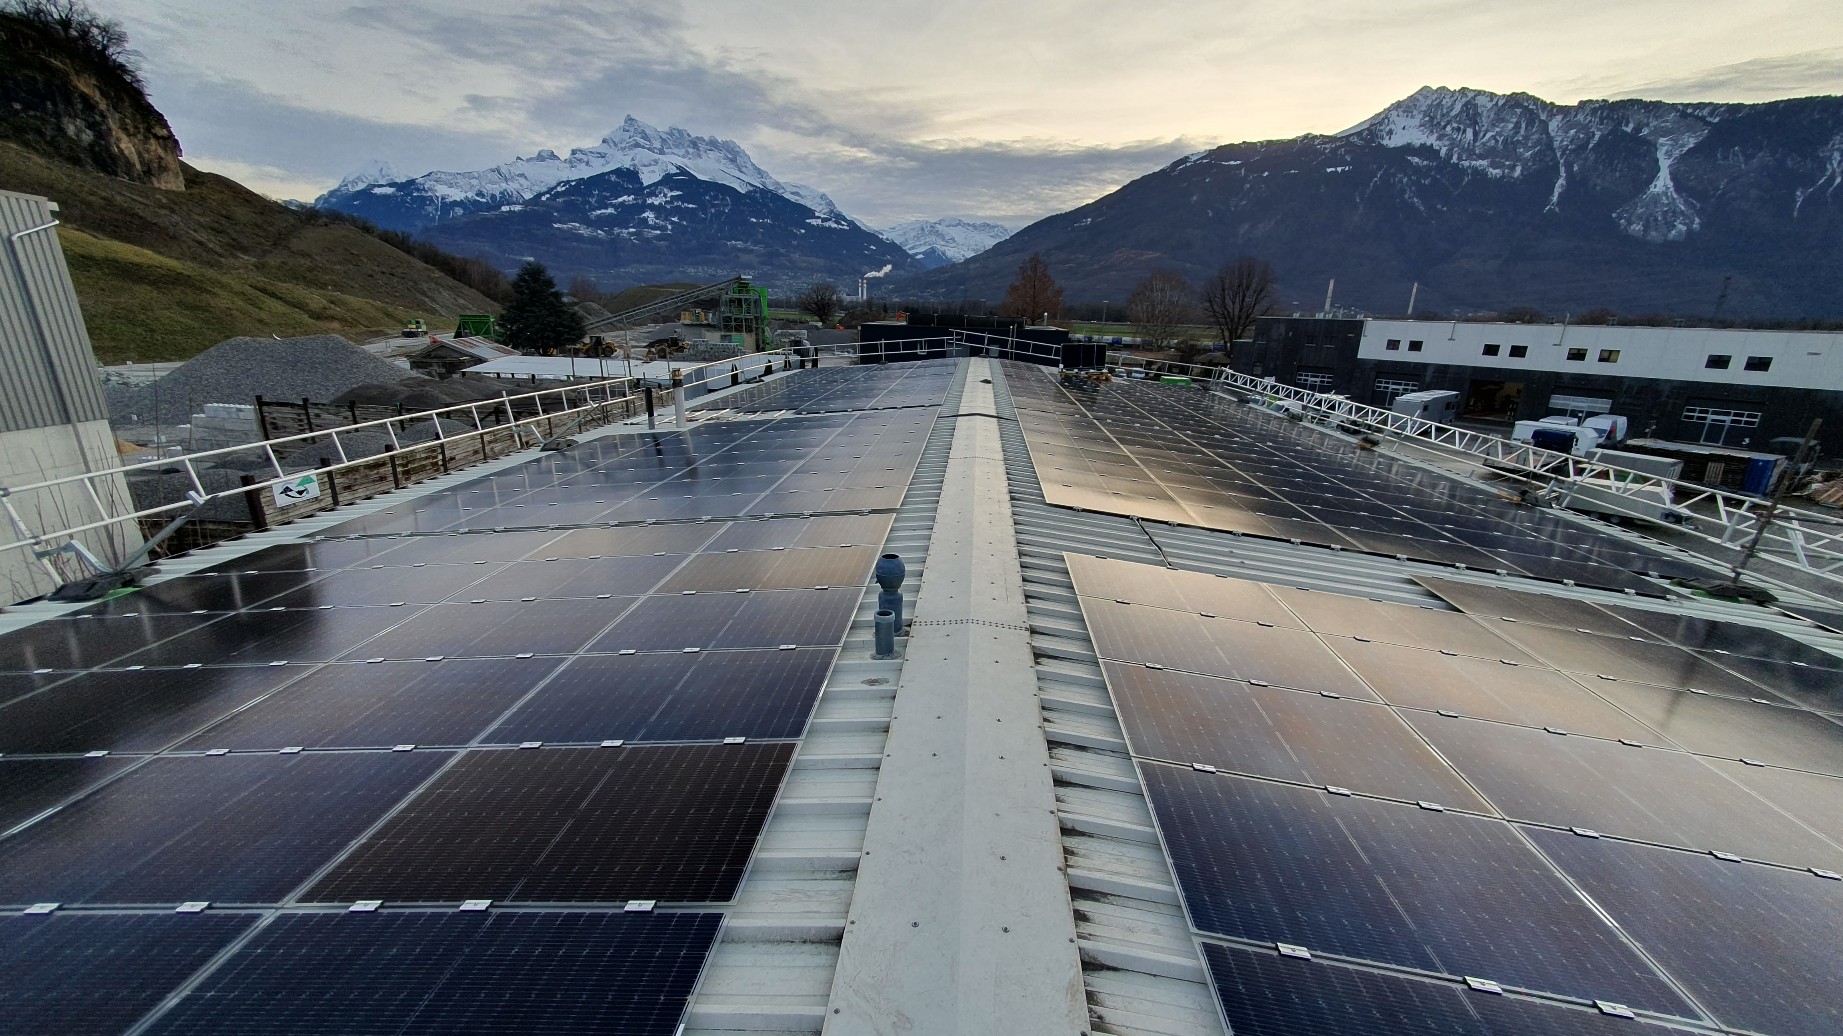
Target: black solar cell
757,619
358,705
1266,994
73,974
673,697
1387,882
1288,735
229,829
572,825
1755,945
133,710
538,973
28,787
1644,793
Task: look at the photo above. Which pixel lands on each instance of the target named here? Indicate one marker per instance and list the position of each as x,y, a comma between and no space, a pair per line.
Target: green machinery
742,312
475,325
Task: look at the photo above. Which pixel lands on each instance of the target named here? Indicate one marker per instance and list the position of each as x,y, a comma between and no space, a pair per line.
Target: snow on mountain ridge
952,239
648,151
1514,135
375,171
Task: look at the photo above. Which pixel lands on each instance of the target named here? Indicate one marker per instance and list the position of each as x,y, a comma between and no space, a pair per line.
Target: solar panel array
1527,815
572,687
826,390
1191,457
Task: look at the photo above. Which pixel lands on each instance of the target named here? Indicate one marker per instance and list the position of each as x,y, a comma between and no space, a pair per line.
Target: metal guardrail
576,403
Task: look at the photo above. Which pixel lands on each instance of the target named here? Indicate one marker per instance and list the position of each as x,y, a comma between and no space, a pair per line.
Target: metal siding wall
30,394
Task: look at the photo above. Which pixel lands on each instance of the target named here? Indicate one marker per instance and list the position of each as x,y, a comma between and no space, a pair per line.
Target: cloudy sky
905,109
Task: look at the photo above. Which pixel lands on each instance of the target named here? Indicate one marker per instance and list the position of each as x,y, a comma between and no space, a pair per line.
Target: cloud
1756,79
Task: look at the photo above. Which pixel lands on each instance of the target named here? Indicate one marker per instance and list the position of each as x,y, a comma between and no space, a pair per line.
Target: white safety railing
1805,540
48,501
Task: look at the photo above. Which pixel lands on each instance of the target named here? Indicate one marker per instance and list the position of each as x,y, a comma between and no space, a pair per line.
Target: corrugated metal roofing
47,368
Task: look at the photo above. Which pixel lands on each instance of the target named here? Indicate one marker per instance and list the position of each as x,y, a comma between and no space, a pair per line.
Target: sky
909,109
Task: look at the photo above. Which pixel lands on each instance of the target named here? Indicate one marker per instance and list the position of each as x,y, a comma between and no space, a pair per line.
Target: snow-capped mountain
1488,201
938,242
375,193
619,229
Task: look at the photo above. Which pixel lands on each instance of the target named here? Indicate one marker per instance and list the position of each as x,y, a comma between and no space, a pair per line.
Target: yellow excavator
415,329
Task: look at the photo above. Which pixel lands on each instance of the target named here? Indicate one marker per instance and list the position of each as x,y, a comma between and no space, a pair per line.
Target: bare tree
1236,294
1034,295
1159,308
583,289
824,301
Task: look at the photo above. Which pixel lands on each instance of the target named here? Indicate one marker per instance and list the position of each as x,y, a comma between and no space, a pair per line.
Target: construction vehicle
416,328
475,325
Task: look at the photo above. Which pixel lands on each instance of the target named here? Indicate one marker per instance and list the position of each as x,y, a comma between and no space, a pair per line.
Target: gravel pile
423,393
151,490
370,443
237,370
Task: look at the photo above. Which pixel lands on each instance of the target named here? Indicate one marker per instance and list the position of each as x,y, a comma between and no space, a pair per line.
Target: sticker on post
297,491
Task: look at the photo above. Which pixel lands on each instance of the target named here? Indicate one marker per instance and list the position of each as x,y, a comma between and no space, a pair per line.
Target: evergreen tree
537,319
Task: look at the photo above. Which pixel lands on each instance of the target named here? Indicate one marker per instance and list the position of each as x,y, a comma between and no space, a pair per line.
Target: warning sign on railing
302,489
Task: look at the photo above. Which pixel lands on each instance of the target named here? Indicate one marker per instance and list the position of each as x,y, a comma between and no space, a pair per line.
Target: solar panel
224,829
572,825
819,531
260,637
208,592
1266,994
382,586
1164,453
1387,882
75,974
1346,616
1734,638
1713,725
1218,647
578,577
28,787
1176,589
93,640
1497,602
1488,688
1814,800
1606,786
132,710
631,541
494,628
1811,687
359,705
541,972
672,696
1755,945
763,618
1288,735
774,569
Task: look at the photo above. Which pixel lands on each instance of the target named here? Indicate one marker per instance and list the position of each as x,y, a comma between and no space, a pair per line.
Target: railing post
252,498
332,481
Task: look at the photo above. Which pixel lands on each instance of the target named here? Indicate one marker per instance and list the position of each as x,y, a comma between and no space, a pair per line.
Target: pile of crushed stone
237,370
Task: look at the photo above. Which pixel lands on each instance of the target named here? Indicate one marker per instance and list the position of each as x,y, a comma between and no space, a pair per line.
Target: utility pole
1412,294
1721,299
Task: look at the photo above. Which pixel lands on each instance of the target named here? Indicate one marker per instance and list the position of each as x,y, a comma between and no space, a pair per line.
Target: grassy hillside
143,306
166,274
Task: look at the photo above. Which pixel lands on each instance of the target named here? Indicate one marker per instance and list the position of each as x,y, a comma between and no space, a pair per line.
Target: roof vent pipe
890,573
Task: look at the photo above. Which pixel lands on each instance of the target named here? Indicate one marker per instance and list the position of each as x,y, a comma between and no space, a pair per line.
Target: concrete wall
39,455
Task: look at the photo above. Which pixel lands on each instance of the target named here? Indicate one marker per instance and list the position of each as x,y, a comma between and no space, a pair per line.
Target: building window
1577,354
1414,346
1314,381
1719,423
1718,362
1759,363
1517,352
1609,356
1394,343
1579,406
1388,389
1491,348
